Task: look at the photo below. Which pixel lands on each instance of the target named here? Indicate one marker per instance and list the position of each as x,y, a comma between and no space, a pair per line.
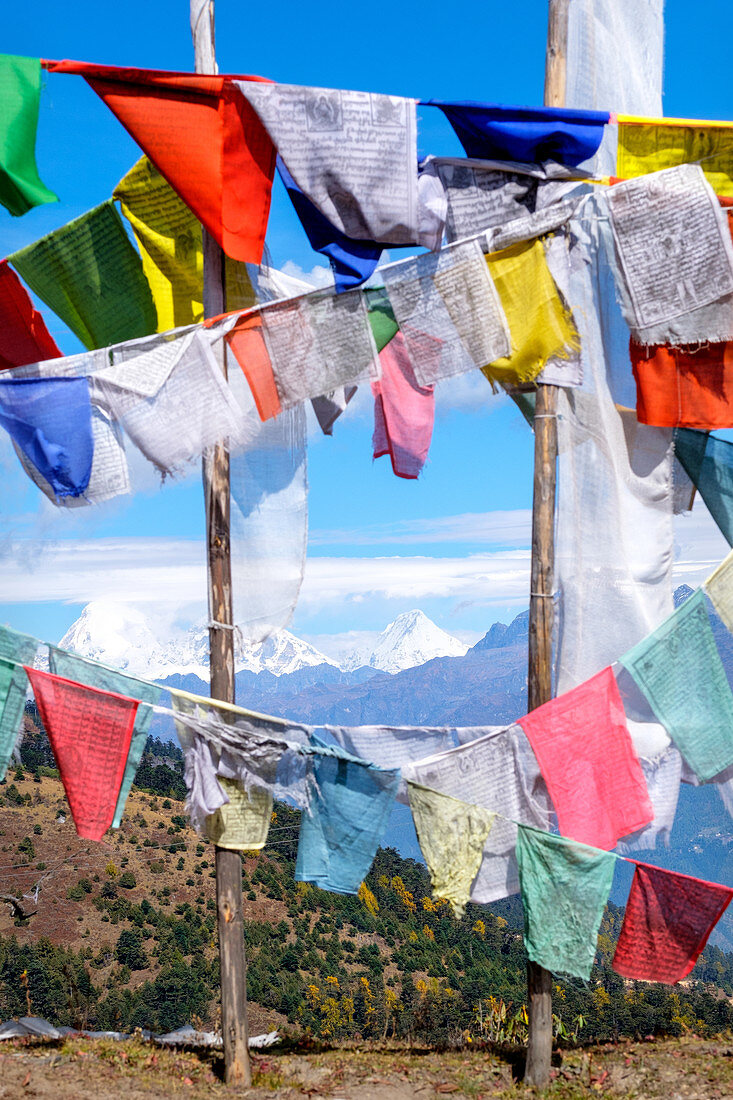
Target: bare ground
671,1069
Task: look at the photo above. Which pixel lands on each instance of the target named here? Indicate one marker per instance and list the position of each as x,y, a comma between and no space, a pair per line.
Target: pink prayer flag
586,756
403,410
667,923
90,733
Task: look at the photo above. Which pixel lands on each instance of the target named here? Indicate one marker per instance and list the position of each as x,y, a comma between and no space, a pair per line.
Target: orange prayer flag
247,343
203,137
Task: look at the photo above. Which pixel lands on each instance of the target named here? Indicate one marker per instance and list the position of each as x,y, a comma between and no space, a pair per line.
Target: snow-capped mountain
120,636
411,640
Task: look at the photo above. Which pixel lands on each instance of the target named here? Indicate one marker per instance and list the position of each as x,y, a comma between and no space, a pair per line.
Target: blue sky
454,543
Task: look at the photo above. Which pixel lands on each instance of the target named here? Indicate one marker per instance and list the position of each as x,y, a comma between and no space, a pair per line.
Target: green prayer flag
82,671
679,670
20,96
13,684
381,318
89,274
565,887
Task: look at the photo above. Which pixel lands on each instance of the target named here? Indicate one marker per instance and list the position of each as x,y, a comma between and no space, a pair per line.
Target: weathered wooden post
539,684
232,965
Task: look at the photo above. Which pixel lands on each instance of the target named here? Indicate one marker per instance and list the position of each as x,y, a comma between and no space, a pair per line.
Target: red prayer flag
403,410
24,337
667,923
684,387
588,761
247,343
90,733
203,137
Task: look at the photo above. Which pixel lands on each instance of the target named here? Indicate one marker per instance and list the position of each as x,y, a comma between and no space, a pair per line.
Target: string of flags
582,249
487,801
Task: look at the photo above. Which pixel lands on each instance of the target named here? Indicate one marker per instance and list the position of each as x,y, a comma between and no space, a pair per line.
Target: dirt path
684,1069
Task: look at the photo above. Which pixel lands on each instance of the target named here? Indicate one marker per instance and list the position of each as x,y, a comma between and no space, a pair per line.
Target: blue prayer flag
530,135
348,813
351,261
50,420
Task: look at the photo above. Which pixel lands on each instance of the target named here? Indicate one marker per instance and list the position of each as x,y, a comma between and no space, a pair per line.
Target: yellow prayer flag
243,822
648,145
540,325
170,243
719,587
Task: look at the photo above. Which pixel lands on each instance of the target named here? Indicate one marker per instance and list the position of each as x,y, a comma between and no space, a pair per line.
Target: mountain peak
411,639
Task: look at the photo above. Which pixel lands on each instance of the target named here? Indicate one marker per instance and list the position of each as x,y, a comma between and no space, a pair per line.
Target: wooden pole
539,682
232,963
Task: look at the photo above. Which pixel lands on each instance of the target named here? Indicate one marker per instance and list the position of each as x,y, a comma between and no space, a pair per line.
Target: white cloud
500,528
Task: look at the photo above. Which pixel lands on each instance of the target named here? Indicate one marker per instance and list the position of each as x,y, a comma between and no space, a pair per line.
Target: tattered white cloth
675,257
354,154
447,296
498,772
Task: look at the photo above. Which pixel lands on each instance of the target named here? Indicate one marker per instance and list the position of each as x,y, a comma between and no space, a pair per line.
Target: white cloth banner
354,154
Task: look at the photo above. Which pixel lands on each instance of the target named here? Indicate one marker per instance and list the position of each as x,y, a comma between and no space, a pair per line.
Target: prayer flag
353,154
649,144
83,671
169,238
90,275
403,410
679,670
686,387
349,810
203,136
20,648
540,326
452,835
529,135
243,822
565,887
300,348
589,764
709,463
449,297
674,257
719,587
90,733
498,771
170,242
352,261
666,925
20,97
50,420
381,317
24,337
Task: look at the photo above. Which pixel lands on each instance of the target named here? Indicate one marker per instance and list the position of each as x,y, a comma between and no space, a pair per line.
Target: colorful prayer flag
686,387
650,144
82,671
679,670
540,326
403,411
565,887
203,136
50,420
588,761
243,822
16,650
90,275
666,925
349,809
24,337
525,134
20,96
452,835
90,733
708,462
